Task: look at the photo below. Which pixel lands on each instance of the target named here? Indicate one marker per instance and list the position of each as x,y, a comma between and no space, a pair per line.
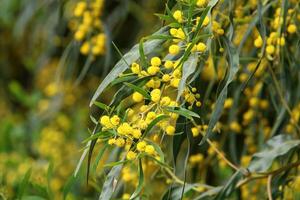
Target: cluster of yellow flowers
276,39
141,125
88,27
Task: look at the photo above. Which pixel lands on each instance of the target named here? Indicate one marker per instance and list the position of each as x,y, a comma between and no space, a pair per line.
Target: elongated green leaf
143,57
49,177
229,187
188,68
275,147
110,183
183,112
24,184
98,158
99,135
233,60
101,105
128,58
67,187
139,188
112,164
139,90
85,152
123,79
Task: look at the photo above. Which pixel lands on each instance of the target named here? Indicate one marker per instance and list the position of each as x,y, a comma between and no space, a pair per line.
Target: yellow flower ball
115,120
150,149
131,155
228,103
292,28
258,42
173,31
137,133
111,141
234,126
178,15
281,41
175,82
166,78
201,3
170,130
168,64
152,70
174,49
85,48
201,47
220,31
155,61
104,120
120,142
155,95
198,103
165,101
79,35
206,21
135,68
137,97
195,131
270,49
141,146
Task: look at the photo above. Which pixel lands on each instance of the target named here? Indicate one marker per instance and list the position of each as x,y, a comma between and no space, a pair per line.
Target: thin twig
269,187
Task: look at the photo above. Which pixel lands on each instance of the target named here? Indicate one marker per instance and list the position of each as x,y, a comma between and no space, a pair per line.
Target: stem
269,187
221,155
265,175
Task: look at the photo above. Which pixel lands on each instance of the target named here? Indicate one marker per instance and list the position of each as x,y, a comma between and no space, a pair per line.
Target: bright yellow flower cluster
88,27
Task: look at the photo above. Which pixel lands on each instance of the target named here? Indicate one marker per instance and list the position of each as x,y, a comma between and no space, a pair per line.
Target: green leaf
98,158
277,146
183,112
188,68
139,90
101,105
49,177
143,58
98,135
85,152
128,58
139,188
233,60
112,164
122,79
67,187
24,184
230,186
161,36
110,183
